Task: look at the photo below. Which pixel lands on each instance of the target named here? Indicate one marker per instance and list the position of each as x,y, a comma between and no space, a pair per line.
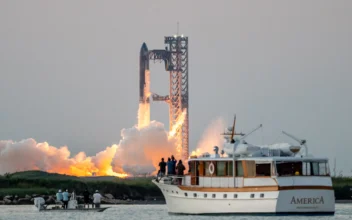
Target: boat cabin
218,171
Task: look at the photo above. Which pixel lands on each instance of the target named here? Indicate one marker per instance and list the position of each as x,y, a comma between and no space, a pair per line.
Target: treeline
135,189
42,183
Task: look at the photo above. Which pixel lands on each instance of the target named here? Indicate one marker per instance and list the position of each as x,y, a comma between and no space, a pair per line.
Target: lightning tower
175,57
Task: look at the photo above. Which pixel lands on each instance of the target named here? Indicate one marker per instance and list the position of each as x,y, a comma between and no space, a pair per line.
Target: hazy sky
69,69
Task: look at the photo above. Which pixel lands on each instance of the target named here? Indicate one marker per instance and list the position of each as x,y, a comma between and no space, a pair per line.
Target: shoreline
158,202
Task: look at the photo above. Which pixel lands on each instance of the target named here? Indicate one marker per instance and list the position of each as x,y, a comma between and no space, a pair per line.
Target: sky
69,69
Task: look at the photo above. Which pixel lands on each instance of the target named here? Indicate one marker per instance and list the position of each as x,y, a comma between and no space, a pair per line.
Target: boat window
327,169
239,168
306,170
315,168
289,168
320,168
201,168
229,168
263,169
221,168
250,167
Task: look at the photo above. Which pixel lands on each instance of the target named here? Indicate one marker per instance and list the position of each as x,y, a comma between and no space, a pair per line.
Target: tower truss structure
175,57
178,103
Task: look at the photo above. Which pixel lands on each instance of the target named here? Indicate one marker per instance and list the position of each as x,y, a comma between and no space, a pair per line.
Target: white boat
39,204
276,179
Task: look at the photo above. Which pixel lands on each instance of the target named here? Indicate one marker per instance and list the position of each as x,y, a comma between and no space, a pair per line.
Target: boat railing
171,179
207,181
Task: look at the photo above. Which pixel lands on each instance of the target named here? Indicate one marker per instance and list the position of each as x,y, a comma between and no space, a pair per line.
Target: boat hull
293,201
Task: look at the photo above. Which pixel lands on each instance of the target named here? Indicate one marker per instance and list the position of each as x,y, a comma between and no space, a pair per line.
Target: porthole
235,196
205,195
262,195
252,196
225,196
194,194
214,196
186,194
176,192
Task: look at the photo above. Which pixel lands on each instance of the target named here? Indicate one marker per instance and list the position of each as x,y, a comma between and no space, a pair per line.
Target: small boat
72,206
276,179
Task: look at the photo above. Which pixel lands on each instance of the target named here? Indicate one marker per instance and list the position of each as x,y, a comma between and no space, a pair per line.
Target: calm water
145,212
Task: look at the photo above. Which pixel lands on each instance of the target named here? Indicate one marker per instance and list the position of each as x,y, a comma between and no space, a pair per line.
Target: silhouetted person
97,199
65,198
169,166
180,169
162,166
173,166
86,198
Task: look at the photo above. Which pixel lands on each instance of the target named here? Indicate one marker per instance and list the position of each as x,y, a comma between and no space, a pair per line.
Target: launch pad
175,57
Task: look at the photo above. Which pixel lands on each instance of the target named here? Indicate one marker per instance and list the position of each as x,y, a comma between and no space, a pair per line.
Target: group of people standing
63,197
172,168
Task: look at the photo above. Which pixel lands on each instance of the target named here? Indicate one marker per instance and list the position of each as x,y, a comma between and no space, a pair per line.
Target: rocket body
144,88
144,79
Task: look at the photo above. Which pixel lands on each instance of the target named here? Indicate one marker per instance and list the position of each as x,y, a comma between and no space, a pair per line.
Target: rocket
144,81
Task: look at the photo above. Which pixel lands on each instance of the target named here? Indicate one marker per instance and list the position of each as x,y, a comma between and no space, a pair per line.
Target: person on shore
65,198
180,171
96,199
162,166
86,198
59,197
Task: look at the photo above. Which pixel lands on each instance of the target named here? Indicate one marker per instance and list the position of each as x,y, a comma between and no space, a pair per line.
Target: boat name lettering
316,200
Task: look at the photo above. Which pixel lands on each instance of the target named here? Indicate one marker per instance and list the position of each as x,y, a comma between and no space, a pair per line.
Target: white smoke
211,137
138,152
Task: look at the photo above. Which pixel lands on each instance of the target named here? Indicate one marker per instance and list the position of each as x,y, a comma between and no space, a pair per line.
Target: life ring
211,168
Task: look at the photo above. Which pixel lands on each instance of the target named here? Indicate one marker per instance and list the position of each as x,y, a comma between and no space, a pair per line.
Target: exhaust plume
138,152
211,137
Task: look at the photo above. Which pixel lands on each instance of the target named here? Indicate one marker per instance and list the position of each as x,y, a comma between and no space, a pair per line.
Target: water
145,212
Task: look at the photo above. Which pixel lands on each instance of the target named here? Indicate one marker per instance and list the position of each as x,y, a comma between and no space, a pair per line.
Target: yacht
249,179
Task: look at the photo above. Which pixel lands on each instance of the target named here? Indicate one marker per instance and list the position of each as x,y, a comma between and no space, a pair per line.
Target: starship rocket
144,77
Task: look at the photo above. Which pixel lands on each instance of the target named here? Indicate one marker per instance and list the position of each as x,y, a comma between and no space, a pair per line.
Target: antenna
177,28
233,130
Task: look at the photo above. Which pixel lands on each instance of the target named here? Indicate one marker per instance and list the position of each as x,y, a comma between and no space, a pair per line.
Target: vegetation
43,183
38,182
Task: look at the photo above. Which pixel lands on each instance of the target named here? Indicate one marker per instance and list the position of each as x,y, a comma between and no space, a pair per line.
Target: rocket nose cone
144,47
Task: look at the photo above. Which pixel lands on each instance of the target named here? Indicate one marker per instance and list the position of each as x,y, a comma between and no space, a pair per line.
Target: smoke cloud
138,152
211,137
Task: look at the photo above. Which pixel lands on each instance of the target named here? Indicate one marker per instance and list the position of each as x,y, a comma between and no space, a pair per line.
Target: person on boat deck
162,166
59,196
65,198
86,198
180,169
169,166
96,199
173,162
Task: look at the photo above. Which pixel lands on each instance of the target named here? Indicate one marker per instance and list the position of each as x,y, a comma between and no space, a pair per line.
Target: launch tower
175,57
